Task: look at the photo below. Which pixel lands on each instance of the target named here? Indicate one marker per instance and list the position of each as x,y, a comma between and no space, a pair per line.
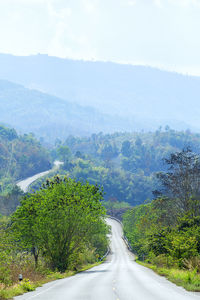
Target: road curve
24,184
119,278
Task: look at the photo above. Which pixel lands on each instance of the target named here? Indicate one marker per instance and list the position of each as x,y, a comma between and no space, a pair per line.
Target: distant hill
50,117
147,95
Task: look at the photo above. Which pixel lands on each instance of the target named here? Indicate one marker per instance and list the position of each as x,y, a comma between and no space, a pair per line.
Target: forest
125,164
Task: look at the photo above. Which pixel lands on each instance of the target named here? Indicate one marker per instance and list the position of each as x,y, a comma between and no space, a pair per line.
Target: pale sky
161,33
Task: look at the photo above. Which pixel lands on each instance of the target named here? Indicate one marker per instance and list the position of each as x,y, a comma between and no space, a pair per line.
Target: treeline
60,227
123,163
166,232
21,156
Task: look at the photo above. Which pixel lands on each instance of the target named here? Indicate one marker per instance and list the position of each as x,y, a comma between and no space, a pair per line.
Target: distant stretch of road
119,278
24,184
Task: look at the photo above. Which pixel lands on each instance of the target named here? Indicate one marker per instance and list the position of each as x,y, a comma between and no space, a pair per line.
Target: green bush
162,260
27,286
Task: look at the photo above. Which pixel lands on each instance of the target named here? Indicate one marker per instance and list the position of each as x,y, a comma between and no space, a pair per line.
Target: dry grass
192,263
35,280
28,272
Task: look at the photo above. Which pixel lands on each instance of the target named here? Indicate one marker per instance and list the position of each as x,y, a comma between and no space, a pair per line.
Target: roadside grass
26,285
190,280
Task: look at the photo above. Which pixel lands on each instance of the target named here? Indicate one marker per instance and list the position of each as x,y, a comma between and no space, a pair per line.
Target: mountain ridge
50,117
144,96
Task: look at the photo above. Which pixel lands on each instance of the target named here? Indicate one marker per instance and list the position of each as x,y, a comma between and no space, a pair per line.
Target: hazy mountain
50,117
148,95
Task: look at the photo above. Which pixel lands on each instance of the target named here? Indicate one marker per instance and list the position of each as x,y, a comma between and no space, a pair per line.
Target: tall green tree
60,220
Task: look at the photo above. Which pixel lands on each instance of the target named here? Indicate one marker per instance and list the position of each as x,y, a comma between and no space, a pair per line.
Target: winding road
24,184
118,278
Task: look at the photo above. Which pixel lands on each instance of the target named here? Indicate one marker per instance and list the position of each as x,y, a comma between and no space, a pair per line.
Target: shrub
27,286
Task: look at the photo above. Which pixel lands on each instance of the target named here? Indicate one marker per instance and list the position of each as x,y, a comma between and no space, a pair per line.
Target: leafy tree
59,220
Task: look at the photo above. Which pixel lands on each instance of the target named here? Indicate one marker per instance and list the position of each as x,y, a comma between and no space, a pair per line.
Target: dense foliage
62,221
167,231
125,164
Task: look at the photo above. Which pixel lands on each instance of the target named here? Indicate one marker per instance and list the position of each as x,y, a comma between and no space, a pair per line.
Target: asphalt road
119,278
24,184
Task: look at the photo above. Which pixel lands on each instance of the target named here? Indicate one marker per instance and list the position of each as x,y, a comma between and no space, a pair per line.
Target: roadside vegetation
54,233
165,233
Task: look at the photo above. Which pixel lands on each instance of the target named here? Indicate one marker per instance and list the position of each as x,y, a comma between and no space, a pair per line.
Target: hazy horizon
159,68
157,33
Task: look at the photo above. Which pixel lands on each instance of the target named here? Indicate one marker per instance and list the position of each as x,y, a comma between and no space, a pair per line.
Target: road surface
24,184
119,278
